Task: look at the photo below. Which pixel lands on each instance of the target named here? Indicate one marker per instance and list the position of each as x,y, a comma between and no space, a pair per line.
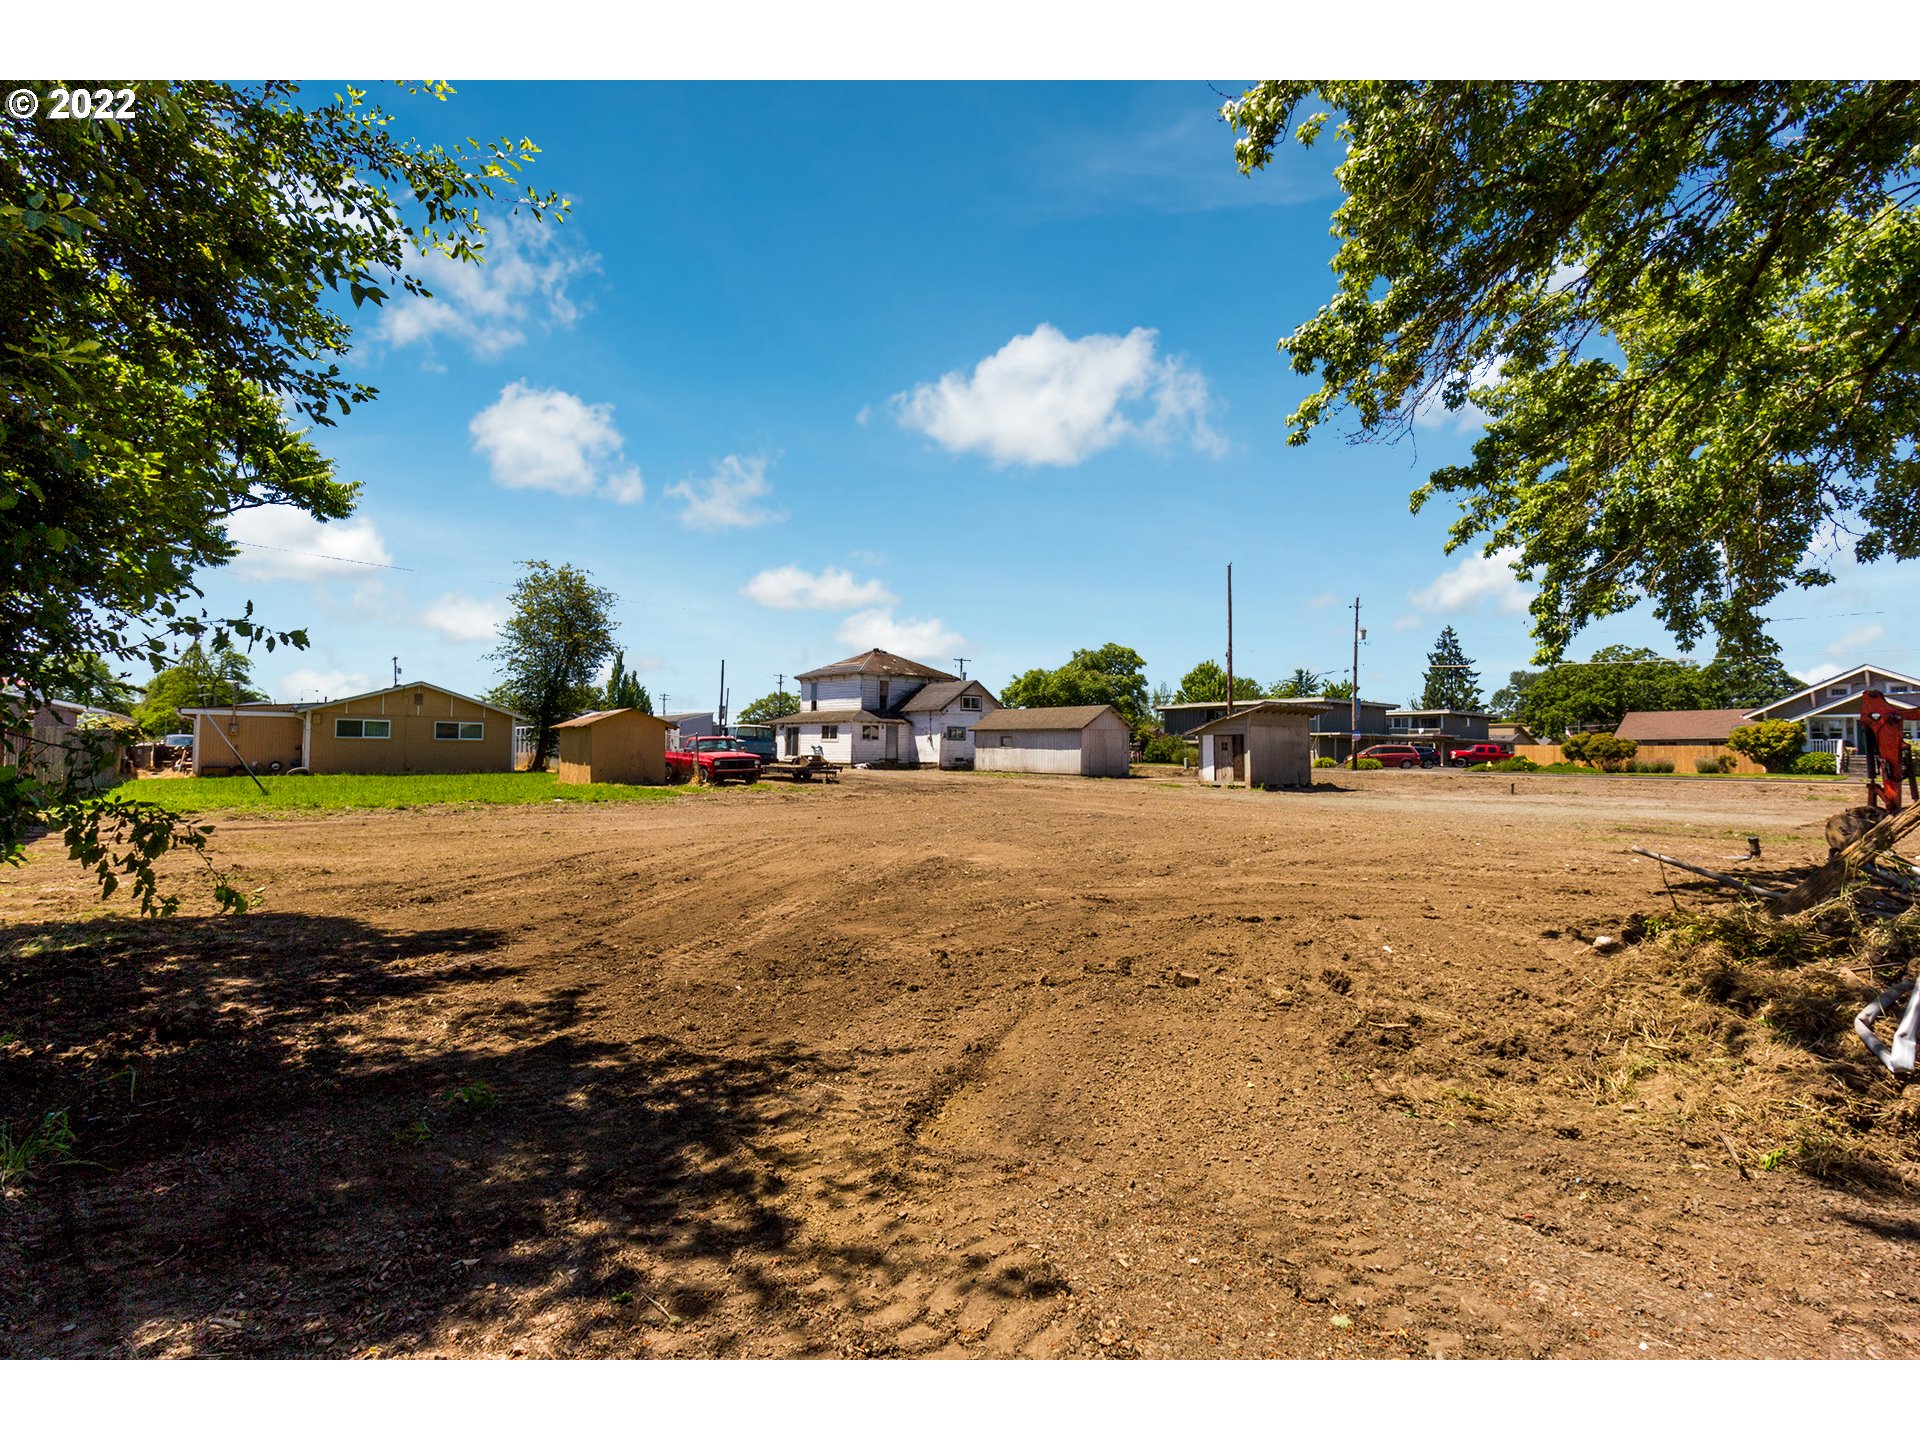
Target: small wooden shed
1266,743
613,747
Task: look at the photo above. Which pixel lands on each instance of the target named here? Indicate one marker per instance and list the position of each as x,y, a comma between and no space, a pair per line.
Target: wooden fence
1682,756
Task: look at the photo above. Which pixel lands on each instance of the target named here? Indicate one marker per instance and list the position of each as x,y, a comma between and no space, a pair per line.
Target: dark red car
1398,757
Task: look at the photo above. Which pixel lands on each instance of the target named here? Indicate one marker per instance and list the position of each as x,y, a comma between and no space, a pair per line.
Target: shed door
893,742
1237,750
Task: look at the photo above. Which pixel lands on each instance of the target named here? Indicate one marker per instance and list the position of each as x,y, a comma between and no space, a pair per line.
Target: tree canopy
222,678
1449,685
1596,694
1688,313
1112,675
1207,681
173,299
1301,684
768,707
624,690
552,646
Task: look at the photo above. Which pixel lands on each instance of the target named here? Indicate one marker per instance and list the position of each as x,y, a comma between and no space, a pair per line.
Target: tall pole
1353,711
722,716
396,672
961,661
1229,639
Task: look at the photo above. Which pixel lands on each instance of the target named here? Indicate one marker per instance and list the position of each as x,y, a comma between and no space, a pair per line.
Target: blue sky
981,370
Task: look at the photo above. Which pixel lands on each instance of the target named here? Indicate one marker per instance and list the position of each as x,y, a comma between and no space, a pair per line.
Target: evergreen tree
1451,683
624,690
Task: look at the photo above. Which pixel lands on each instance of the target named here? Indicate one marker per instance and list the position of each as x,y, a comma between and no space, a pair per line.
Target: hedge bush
1513,765
1772,744
1814,762
1650,767
1715,764
1325,762
1366,764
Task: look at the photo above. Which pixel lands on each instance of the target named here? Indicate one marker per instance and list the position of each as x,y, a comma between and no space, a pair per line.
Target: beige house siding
411,748
263,741
621,749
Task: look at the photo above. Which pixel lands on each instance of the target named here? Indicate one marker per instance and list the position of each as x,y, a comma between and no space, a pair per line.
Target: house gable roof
1841,677
1655,726
834,717
939,694
877,662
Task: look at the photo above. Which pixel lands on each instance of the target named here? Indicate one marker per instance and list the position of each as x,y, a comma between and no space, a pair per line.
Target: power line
316,555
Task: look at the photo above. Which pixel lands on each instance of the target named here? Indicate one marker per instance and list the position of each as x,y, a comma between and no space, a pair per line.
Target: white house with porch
1831,709
853,711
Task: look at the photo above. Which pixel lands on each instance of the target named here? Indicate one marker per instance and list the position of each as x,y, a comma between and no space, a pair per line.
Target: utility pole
961,661
396,672
721,718
1353,710
1229,639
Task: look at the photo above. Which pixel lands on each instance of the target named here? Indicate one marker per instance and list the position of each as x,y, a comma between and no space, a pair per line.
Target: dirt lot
918,1065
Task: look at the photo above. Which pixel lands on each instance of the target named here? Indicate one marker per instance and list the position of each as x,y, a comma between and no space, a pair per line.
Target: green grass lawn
383,792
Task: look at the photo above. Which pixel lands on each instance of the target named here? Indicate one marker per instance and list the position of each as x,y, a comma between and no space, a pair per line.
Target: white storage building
1264,743
1059,740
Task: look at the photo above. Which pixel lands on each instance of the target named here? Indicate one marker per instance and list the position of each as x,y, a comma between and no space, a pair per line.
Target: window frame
869,732
829,732
956,732
970,702
460,727
362,721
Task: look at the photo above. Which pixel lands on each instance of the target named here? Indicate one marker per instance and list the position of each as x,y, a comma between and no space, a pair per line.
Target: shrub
1167,750
1567,767
1364,764
1771,744
1715,764
1609,752
1650,767
1514,765
1814,762
1325,762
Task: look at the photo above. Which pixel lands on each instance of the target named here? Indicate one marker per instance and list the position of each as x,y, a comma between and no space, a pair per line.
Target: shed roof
940,694
1674,725
594,717
1305,709
877,662
1049,717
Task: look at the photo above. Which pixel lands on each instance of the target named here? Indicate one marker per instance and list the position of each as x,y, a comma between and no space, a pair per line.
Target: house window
956,732
829,732
459,730
1006,739
869,732
813,697
362,729
969,702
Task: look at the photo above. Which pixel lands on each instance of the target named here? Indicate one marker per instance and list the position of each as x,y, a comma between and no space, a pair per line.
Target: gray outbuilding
1264,744
1056,740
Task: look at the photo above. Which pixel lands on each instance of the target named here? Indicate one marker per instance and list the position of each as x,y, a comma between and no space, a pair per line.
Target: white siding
930,743
1100,749
842,693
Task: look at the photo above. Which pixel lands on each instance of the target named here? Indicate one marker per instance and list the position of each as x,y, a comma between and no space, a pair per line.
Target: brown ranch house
411,729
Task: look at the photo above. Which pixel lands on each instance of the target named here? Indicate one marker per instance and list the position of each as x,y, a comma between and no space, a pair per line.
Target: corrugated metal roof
877,662
1054,717
1711,726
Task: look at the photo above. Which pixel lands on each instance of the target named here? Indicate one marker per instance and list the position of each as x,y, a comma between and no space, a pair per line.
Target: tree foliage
172,298
624,690
1207,681
553,644
769,707
1688,312
1450,687
1599,693
1300,685
1609,752
1112,675
223,678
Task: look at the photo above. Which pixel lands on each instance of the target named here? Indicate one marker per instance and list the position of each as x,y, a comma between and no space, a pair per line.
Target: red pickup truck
1483,753
714,759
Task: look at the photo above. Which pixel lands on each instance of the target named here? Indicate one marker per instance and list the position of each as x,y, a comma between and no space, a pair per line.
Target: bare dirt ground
916,1065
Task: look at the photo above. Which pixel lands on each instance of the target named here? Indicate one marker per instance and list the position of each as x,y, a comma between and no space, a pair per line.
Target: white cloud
323,684
927,640
791,588
549,440
1475,581
1042,399
278,542
1432,413
462,620
725,499
487,307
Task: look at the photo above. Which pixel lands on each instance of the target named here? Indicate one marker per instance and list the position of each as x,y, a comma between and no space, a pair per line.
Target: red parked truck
713,760
1486,752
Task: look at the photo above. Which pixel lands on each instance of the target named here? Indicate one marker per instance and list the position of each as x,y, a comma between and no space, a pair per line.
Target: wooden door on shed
1237,750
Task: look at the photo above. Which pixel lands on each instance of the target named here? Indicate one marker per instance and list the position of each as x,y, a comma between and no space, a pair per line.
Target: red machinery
1883,741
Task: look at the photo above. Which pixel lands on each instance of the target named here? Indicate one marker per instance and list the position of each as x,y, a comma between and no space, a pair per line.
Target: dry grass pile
1733,1026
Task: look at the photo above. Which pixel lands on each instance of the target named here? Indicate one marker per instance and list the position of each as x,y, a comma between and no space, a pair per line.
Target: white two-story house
883,709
